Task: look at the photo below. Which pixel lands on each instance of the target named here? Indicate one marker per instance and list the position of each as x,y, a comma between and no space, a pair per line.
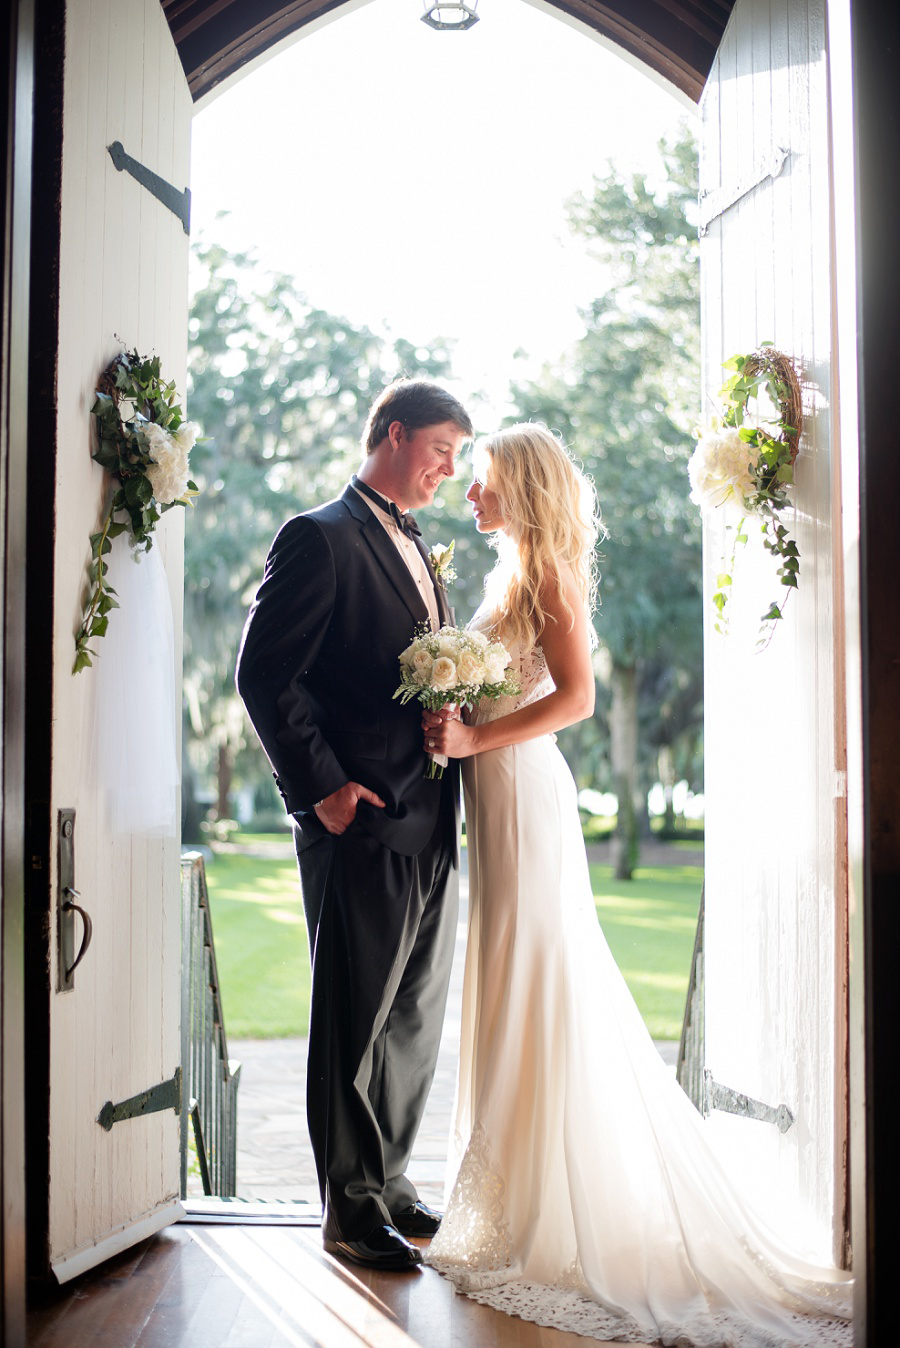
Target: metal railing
693,1075
210,1078
690,1071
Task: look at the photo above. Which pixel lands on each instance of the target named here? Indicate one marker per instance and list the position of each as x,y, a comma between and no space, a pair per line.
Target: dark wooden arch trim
16,84
676,38
875,922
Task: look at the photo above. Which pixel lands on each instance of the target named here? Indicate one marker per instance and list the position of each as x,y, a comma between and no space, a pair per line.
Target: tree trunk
224,771
192,812
666,766
623,736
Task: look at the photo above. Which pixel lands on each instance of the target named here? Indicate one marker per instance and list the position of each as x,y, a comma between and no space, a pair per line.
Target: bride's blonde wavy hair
552,523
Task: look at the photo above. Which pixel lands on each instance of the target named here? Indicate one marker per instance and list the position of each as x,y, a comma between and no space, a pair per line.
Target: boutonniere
441,558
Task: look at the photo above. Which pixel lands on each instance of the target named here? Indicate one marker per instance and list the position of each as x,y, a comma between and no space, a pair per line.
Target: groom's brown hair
416,403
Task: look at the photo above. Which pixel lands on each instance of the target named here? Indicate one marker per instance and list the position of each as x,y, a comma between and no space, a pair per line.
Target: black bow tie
406,522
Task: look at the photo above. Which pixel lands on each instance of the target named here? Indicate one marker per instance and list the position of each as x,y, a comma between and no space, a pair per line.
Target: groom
345,587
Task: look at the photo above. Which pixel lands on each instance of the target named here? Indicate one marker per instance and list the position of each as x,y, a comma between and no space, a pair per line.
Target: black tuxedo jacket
318,667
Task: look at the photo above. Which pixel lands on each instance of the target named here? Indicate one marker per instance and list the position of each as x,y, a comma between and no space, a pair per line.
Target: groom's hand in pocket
338,811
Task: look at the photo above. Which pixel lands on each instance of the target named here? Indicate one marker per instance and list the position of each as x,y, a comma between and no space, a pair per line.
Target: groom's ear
396,431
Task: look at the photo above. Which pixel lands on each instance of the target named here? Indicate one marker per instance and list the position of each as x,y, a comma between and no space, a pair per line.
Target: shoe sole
387,1265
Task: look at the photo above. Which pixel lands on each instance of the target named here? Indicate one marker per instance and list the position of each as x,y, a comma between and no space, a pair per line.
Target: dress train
586,1196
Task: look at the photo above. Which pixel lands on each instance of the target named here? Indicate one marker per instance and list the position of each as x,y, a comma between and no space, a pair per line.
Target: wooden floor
267,1287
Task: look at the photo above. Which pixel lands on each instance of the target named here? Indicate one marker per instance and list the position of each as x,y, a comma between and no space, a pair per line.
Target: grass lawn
650,923
261,947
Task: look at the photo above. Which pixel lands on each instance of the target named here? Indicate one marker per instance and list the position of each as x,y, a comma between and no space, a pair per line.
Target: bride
586,1195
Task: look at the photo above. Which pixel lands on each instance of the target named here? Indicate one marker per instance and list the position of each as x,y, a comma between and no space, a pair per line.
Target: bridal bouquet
453,666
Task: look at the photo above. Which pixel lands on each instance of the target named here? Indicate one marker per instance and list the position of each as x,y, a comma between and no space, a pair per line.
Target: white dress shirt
408,551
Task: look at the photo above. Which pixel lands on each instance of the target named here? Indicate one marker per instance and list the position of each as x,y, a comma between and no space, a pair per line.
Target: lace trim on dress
558,1308
535,680
473,1244
473,1249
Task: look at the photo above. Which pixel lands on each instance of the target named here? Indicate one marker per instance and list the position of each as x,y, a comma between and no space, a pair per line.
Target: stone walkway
274,1155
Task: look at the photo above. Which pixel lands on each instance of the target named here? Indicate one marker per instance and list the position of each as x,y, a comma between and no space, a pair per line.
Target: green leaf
82,661
99,626
723,579
133,490
773,614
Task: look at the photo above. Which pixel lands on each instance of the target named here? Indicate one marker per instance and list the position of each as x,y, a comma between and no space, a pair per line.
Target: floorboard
265,1287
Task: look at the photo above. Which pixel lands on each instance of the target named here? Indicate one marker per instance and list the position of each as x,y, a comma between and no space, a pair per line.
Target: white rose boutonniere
441,558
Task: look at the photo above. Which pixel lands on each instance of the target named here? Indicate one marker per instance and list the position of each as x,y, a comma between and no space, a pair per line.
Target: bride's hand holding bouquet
446,670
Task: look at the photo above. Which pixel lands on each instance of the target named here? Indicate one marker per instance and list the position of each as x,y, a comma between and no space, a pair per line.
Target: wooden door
776,887
122,279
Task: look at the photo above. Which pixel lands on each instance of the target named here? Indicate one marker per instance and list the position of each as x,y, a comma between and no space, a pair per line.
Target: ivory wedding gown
587,1197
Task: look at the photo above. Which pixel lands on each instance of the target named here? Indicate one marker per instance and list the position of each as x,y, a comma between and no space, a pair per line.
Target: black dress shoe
382,1248
417,1220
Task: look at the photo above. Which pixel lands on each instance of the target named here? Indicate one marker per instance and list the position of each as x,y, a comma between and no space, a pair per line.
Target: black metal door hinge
167,1095
179,203
733,1102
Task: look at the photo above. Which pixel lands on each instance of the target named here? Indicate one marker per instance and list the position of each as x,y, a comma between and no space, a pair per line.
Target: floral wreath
144,446
749,464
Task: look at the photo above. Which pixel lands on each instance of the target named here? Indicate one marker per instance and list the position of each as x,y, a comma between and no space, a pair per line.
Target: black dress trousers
382,930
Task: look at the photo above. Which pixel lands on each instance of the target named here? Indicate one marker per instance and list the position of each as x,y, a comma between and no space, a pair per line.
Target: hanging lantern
450,15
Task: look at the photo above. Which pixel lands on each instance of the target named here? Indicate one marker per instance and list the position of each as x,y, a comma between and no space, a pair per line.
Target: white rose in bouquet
470,668
443,674
722,468
495,662
423,664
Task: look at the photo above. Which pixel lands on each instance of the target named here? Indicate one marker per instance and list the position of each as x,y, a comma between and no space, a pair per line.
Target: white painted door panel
123,275
775,858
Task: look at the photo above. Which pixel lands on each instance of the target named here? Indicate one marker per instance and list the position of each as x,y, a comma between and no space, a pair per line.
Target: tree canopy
625,399
281,391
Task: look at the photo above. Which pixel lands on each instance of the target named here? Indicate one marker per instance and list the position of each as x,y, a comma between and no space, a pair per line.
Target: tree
625,400
281,390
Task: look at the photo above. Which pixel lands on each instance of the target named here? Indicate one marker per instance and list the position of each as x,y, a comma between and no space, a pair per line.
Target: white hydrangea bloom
169,473
721,468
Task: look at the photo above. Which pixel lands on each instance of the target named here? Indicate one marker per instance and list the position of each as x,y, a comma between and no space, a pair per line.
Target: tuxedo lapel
439,591
386,554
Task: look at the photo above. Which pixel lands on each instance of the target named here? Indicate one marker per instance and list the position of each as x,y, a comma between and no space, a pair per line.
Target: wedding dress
587,1197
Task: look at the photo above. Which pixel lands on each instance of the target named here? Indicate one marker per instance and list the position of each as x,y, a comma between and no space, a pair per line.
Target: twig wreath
747,461
144,443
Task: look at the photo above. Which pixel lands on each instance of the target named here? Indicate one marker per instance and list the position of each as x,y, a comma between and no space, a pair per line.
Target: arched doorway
871,777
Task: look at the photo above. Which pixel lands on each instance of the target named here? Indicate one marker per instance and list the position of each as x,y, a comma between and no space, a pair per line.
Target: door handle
67,907
70,906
